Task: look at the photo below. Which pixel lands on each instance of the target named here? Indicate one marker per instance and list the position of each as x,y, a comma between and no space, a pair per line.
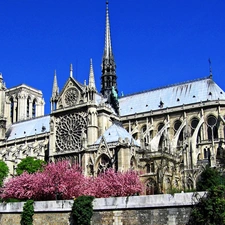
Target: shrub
27,214
210,209
4,170
209,178
82,210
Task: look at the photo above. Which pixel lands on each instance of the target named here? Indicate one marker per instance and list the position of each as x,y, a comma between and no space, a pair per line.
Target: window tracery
71,96
212,129
69,130
104,164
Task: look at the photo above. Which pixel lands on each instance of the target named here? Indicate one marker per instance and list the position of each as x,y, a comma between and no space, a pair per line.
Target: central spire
109,78
108,46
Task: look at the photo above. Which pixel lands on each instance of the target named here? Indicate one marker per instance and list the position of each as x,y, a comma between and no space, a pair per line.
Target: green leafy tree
4,171
210,209
209,178
30,165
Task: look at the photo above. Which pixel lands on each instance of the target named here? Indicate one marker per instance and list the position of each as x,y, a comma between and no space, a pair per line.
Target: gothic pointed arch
103,163
194,122
162,137
34,105
212,129
151,187
103,148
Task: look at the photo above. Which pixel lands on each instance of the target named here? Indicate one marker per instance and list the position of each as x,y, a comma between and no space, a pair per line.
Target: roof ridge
27,120
166,86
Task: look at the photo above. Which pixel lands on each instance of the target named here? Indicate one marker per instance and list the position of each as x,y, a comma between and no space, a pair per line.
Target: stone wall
135,210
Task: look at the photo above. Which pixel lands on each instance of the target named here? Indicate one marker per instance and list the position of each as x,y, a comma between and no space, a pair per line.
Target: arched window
11,109
34,108
160,126
220,151
212,129
104,164
28,107
177,125
151,187
194,124
150,167
206,153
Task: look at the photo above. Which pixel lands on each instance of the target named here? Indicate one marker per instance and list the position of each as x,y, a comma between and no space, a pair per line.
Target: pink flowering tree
64,181
112,183
58,180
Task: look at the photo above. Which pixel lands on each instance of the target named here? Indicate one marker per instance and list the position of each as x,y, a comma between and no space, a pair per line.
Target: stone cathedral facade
168,134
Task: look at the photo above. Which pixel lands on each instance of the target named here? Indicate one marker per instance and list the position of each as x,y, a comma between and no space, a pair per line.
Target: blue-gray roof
115,133
171,96
27,128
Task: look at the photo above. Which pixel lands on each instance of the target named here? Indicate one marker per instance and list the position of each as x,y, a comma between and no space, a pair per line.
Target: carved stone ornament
71,96
69,131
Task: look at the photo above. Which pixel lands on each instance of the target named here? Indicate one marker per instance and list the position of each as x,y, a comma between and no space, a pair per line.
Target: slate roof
27,128
171,96
114,133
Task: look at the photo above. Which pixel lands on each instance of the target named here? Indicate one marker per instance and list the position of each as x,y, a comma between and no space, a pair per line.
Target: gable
71,94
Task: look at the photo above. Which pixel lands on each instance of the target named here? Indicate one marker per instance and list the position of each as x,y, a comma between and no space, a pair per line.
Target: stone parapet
149,209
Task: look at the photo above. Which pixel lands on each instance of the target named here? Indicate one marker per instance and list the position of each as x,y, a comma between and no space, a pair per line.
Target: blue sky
155,43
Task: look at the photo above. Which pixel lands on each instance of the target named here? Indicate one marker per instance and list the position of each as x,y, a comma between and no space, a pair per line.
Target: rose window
71,96
69,131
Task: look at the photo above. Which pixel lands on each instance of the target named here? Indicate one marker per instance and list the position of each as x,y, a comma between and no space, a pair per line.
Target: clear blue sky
155,43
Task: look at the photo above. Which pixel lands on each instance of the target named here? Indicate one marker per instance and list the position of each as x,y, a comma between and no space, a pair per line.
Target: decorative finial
107,2
71,70
210,69
91,81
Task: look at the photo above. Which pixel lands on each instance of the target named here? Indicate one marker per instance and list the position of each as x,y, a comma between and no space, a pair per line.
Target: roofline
35,118
25,86
167,86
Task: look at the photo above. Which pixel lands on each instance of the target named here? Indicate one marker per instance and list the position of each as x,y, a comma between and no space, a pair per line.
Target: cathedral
167,134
